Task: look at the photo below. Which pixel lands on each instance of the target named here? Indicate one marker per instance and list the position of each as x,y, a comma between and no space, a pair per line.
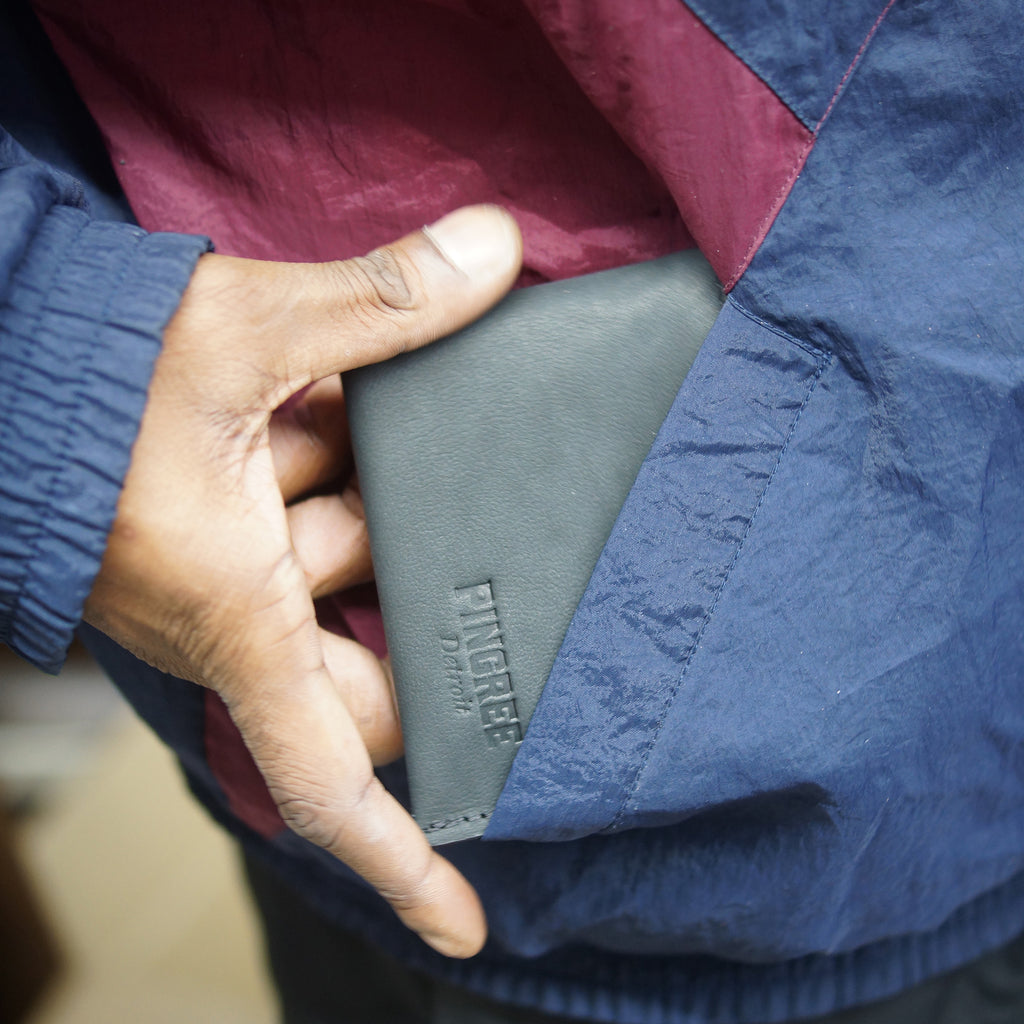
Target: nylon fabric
765,847
721,140
80,322
802,50
846,721
318,131
545,107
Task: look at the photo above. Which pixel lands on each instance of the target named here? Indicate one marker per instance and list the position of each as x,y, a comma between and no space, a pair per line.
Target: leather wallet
492,465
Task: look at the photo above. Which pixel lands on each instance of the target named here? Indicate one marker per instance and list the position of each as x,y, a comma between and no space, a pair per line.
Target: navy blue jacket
779,766
84,303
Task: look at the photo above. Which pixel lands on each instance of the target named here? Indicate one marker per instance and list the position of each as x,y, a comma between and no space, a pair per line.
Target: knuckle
274,586
387,280
309,817
320,814
256,628
380,286
275,606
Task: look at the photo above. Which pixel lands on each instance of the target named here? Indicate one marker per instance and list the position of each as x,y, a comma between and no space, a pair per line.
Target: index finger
317,768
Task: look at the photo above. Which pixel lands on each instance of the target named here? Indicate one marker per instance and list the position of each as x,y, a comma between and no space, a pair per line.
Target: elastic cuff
79,334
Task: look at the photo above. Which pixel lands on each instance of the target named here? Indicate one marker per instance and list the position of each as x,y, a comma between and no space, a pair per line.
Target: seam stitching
844,81
773,210
440,826
823,360
808,346
804,154
728,40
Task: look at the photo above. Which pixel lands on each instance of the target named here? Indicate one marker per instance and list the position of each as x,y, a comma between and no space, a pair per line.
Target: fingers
330,540
284,685
365,686
401,296
309,438
312,756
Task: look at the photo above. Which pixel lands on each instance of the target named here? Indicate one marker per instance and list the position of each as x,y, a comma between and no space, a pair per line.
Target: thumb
399,297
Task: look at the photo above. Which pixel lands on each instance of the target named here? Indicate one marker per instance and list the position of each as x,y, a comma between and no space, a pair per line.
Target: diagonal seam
845,80
823,361
798,165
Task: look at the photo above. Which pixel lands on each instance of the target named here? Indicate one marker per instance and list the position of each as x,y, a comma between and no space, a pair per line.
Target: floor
141,889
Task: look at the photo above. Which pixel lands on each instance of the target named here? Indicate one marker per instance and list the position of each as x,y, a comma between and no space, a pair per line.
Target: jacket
776,769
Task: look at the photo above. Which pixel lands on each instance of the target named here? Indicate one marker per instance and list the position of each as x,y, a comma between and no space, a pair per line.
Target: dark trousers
325,975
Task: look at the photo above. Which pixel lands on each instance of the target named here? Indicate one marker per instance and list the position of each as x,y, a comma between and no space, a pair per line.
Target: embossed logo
454,669
477,653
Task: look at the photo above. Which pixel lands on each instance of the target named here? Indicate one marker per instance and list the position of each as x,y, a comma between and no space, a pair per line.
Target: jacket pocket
656,587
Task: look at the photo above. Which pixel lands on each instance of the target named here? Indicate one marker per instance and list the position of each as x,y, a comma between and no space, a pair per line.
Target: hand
208,574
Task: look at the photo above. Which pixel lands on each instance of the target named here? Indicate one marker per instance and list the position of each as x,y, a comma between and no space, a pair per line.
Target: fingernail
480,241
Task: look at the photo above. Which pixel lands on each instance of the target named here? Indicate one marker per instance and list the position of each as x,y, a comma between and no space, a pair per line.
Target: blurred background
119,899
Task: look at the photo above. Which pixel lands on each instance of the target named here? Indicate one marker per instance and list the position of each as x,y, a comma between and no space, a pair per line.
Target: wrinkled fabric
315,134
803,52
777,768
40,108
82,308
804,639
319,132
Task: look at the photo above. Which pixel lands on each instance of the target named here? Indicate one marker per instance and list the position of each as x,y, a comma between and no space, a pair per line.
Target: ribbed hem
79,333
630,989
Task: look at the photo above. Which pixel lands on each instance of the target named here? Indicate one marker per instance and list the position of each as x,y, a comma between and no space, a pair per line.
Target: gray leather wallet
493,465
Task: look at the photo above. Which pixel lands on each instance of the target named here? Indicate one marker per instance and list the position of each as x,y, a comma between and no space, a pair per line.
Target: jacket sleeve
83,304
